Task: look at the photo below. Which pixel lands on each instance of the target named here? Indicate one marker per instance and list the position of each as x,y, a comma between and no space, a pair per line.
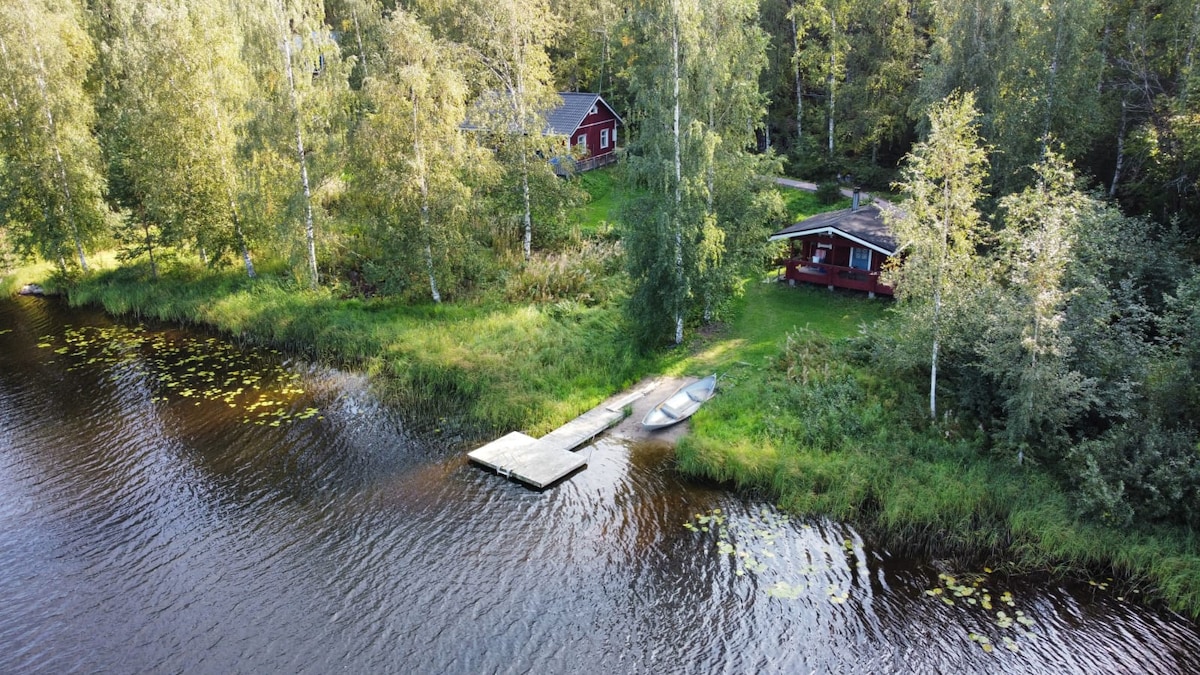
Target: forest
1046,157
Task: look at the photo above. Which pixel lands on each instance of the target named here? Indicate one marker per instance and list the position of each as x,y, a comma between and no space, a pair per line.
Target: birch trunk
423,186
796,78
1116,179
527,244
362,53
937,303
309,233
1051,84
832,64
678,173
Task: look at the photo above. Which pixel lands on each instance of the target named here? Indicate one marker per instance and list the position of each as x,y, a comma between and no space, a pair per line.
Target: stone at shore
31,289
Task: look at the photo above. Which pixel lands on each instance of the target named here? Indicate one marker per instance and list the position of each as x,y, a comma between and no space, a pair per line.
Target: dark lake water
171,503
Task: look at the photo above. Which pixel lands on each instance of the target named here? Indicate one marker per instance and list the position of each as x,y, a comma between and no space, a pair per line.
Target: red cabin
589,126
840,249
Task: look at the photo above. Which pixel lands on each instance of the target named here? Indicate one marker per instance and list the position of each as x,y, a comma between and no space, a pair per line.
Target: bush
1143,473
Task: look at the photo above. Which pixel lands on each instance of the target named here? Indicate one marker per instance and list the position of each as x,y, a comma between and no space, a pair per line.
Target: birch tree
822,44
414,153
299,116
176,92
1028,351
939,227
697,106
509,39
50,178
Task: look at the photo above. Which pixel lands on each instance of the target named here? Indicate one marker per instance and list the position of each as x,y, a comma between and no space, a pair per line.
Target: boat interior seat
697,396
669,411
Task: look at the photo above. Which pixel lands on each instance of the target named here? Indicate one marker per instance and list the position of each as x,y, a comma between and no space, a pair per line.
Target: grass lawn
803,204
607,196
768,312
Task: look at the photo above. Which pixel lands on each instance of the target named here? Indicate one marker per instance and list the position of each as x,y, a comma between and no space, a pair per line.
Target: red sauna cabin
840,249
589,125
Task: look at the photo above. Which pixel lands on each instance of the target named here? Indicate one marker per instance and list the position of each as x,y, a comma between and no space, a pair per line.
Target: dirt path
812,187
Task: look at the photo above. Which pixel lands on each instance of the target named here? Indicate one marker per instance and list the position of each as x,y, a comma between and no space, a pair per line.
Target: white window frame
581,140
604,139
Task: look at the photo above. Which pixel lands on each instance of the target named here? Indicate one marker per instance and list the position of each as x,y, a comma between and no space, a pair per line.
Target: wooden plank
581,429
527,459
500,453
540,462
619,404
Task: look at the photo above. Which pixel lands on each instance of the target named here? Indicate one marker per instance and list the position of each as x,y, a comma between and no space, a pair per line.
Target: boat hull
680,405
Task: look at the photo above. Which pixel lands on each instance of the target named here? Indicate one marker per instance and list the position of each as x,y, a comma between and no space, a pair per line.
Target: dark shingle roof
864,224
566,118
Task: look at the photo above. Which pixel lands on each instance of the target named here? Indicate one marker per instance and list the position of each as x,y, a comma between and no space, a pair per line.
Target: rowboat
680,405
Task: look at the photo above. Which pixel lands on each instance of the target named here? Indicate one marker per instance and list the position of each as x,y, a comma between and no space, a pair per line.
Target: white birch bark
362,53
1120,167
527,244
678,172
796,77
832,80
309,232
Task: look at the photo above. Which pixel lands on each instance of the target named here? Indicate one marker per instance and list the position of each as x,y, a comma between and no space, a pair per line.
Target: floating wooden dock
542,461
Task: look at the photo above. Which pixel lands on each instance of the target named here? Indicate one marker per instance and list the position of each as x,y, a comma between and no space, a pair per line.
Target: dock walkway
542,461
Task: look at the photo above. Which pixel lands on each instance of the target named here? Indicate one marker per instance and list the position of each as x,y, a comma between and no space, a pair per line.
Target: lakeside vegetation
802,414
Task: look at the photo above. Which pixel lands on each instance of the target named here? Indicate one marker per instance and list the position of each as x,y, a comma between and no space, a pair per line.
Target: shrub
1144,473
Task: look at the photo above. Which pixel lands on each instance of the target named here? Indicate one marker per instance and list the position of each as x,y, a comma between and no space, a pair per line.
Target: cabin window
860,258
592,111
613,137
581,141
604,138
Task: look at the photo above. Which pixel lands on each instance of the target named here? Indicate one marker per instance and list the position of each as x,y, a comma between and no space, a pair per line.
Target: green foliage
829,192
940,230
1139,473
50,176
701,222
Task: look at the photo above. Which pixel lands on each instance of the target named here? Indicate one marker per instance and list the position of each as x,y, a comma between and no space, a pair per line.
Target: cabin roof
566,118
863,225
